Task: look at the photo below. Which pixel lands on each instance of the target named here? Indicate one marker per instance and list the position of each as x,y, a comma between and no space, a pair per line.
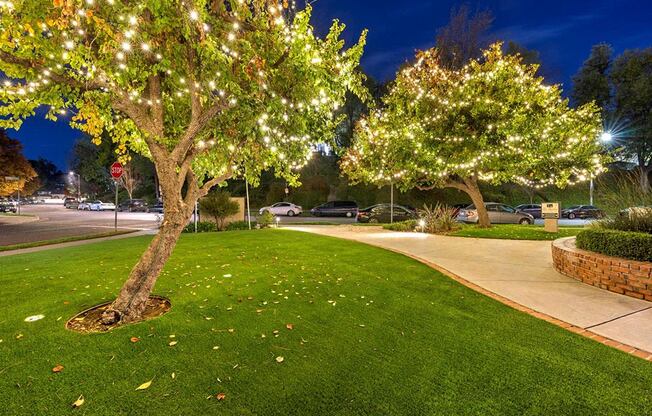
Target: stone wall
627,277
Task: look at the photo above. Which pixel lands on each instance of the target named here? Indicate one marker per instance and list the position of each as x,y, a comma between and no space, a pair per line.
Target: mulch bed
90,320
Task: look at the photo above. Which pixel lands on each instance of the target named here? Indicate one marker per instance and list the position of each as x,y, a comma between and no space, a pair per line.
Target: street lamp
71,174
606,137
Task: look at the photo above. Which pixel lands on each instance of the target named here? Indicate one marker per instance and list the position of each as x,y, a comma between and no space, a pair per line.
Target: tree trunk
473,190
132,300
644,178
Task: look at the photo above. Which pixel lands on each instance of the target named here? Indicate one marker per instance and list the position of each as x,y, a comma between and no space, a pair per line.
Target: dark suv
7,207
133,205
336,209
382,213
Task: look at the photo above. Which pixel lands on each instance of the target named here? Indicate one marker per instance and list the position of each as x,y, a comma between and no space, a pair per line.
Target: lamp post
606,137
72,174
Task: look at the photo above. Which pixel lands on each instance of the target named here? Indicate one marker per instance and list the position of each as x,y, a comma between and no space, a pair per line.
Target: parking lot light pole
72,174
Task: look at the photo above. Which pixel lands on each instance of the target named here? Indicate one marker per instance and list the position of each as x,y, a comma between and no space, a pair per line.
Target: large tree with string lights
492,121
208,89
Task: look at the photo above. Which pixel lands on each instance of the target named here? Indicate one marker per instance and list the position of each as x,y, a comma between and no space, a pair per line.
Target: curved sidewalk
520,272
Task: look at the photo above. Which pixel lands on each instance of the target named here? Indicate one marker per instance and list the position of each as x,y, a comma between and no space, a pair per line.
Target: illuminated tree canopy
208,89
493,121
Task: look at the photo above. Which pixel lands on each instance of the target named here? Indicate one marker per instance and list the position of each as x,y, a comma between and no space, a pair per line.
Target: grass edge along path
61,240
360,331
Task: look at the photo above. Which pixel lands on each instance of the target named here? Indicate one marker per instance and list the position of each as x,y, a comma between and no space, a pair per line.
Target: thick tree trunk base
91,320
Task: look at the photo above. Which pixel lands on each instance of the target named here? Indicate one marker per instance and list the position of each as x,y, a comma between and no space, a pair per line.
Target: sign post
551,212
116,173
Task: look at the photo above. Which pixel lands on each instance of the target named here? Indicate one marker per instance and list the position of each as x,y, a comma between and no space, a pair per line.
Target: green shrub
240,226
437,220
625,244
202,227
637,219
404,226
220,206
266,220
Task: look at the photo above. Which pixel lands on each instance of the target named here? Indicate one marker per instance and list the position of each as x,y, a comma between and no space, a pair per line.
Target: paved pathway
520,271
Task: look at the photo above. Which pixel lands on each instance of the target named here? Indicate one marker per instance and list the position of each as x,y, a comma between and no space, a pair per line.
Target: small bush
202,227
266,220
404,226
615,243
437,220
638,220
240,226
220,206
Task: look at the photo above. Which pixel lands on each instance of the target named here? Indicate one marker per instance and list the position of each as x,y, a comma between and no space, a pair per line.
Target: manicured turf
64,240
374,333
514,232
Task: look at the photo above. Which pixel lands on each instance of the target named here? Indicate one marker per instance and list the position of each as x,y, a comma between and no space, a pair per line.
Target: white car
84,206
283,208
102,206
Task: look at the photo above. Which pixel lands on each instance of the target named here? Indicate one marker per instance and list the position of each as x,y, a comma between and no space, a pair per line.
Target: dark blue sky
562,31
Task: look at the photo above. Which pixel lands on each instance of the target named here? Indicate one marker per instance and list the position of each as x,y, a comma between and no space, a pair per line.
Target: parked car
498,214
532,209
156,208
7,207
283,208
582,212
336,209
381,213
71,203
84,206
640,211
102,206
133,205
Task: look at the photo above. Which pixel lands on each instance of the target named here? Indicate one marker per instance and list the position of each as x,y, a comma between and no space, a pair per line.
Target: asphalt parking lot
55,221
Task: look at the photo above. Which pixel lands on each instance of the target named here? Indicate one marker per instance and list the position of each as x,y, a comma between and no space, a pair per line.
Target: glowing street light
72,174
606,137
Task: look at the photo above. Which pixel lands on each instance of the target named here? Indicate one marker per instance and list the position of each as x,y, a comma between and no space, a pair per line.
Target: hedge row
625,244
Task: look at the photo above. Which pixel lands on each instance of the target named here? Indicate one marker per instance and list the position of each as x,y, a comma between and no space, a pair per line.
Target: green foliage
514,232
266,220
404,226
202,227
493,121
220,206
626,244
240,226
638,219
210,85
437,220
621,192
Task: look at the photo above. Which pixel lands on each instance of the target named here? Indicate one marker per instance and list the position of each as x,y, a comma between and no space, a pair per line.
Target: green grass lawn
64,240
514,232
374,333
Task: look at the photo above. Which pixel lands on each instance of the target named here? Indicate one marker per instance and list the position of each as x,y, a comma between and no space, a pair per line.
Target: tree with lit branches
493,121
208,89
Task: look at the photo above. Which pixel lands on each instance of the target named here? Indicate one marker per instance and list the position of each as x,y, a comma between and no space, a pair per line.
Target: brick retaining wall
627,277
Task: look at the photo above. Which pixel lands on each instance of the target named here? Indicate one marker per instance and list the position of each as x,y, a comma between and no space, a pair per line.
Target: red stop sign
116,170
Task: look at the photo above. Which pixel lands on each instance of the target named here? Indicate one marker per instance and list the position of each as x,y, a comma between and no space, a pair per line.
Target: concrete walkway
75,243
522,272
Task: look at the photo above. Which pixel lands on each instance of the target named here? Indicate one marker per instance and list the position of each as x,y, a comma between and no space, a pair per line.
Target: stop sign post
116,173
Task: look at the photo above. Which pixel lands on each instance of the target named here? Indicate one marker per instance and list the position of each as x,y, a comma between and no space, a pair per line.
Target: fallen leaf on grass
134,339
174,375
144,386
79,402
57,369
172,344
289,326
279,359
220,396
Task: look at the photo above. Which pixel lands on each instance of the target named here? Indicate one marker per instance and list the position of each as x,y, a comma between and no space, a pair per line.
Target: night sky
562,31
